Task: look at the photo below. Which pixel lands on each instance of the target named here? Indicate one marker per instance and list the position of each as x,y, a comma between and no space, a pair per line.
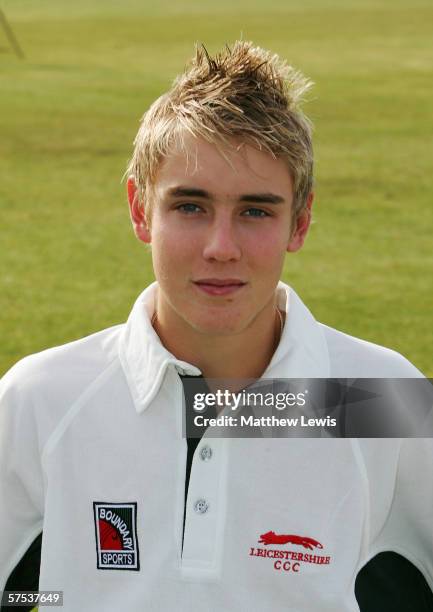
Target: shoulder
42,386
78,360
352,357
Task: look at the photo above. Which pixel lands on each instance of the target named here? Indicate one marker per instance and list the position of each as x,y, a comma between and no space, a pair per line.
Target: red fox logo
272,538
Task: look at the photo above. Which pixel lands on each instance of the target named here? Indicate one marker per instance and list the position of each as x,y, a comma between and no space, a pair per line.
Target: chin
217,324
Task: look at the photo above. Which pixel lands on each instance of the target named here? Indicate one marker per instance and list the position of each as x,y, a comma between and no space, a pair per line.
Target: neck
242,355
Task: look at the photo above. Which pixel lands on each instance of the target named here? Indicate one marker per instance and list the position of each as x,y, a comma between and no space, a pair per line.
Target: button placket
205,512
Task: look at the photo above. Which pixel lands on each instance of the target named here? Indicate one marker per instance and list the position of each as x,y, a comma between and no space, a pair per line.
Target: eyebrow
256,198
188,192
262,198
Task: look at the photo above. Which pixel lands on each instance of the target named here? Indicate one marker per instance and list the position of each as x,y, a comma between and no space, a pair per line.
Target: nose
221,243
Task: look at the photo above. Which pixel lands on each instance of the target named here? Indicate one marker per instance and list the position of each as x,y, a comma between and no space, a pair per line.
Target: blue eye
255,212
189,208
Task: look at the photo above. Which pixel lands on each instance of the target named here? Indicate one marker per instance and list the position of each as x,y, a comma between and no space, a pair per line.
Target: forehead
233,169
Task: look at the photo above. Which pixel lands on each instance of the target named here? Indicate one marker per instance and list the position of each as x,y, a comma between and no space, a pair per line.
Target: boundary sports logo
116,536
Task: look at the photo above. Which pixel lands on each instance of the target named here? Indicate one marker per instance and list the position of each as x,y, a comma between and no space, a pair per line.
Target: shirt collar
303,350
301,353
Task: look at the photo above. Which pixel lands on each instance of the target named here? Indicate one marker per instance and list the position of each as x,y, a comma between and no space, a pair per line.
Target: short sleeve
408,529
21,480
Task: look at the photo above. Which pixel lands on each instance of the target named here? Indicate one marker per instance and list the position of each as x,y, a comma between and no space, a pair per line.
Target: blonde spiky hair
242,92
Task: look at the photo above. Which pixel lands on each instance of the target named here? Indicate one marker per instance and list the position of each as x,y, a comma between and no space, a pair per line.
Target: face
220,229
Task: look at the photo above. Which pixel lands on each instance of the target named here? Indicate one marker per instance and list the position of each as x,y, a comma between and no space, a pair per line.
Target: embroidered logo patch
272,538
116,536
289,560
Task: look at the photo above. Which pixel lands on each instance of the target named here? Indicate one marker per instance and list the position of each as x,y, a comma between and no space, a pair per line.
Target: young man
92,446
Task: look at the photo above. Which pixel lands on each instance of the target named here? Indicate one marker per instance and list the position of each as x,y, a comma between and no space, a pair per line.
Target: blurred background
69,111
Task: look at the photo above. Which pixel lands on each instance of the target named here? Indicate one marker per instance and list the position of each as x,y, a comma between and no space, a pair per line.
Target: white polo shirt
92,452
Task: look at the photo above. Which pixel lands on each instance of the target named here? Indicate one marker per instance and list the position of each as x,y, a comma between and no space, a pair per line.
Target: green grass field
70,110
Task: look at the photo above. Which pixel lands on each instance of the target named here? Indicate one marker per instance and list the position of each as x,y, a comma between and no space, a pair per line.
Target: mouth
218,286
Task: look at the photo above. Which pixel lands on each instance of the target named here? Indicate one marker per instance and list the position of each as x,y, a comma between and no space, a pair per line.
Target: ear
302,225
136,212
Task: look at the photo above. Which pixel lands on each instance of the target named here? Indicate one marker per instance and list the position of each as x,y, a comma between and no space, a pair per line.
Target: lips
219,286
219,282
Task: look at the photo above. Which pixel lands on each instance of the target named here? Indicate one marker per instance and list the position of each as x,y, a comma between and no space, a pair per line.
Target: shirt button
205,453
201,506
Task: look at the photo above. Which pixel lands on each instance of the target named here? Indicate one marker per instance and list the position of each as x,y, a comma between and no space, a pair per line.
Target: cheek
267,251
171,252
